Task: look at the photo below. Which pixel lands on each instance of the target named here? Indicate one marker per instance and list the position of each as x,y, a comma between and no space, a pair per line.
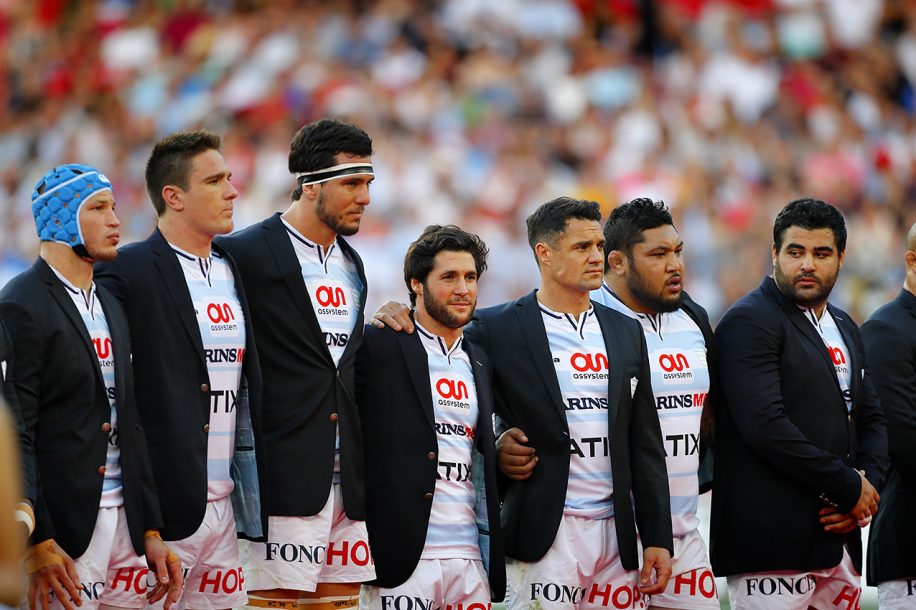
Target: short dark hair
627,223
810,214
315,145
170,162
549,221
421,255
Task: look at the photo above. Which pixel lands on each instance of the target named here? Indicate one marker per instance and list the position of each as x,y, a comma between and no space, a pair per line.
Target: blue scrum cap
57,198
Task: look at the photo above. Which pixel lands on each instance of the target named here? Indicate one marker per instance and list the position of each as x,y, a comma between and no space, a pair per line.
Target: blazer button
849,417
204,387
106,427
431,456
428,496
102,469
333,417
206,428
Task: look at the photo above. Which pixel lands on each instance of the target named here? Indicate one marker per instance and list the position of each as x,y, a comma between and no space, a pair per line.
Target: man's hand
50,568
867,504
836,522
166,565
394,315
516,460
658,560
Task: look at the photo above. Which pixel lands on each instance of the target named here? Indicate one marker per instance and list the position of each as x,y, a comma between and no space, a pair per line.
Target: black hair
547,223
315,145
627,223
810,214
170,162
421,255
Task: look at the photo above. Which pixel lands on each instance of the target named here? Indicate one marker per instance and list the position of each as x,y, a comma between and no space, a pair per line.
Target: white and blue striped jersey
452,530
334,288
836,347
90,310
581,364
222,331
680,384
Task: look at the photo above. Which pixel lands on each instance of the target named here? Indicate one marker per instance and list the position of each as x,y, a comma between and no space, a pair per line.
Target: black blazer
785,443
26,449
306,397
890,346
395,407
527,395
64,404
173,384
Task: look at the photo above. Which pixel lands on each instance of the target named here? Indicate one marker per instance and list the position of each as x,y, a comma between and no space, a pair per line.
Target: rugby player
890,347
643,280
573,386
426,407
308,292
800,440
198,383
73,378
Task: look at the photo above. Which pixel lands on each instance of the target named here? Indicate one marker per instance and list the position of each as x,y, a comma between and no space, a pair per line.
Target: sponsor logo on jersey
589,366
446,429
229,354
586,403
452,393
590,446
221,317
454,471
332,300
675,368
680,401
681,444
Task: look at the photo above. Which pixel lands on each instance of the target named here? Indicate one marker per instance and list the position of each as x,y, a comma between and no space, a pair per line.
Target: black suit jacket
26,449
527,395
64,404
173,384
396,409
890,346
306,397
785,443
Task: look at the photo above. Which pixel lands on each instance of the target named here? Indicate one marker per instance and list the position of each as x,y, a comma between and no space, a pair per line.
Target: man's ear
173,197
616,263
543,253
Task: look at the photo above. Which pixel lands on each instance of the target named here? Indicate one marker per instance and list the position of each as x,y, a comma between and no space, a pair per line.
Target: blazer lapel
361,272
59,292
615,374
118,340
481,371
417,364
167,263
288,264
529,315
855,377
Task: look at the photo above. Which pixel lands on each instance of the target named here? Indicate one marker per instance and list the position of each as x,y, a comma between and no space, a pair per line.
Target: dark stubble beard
804,298
335,223
656,302
440,313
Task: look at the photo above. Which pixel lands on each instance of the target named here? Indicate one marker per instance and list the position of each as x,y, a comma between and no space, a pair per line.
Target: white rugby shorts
581,569
302,552
101,568
692,585
448,584
837,588
897,594
213,576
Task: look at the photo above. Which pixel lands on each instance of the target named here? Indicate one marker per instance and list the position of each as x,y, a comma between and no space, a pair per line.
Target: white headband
337,171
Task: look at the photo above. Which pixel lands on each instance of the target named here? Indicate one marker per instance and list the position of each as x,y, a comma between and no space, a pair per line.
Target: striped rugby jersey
680,383
839,354
222,331
581,364
90,310
452,530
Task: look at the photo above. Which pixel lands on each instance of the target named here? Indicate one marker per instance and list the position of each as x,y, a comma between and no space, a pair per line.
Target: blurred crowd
482,109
